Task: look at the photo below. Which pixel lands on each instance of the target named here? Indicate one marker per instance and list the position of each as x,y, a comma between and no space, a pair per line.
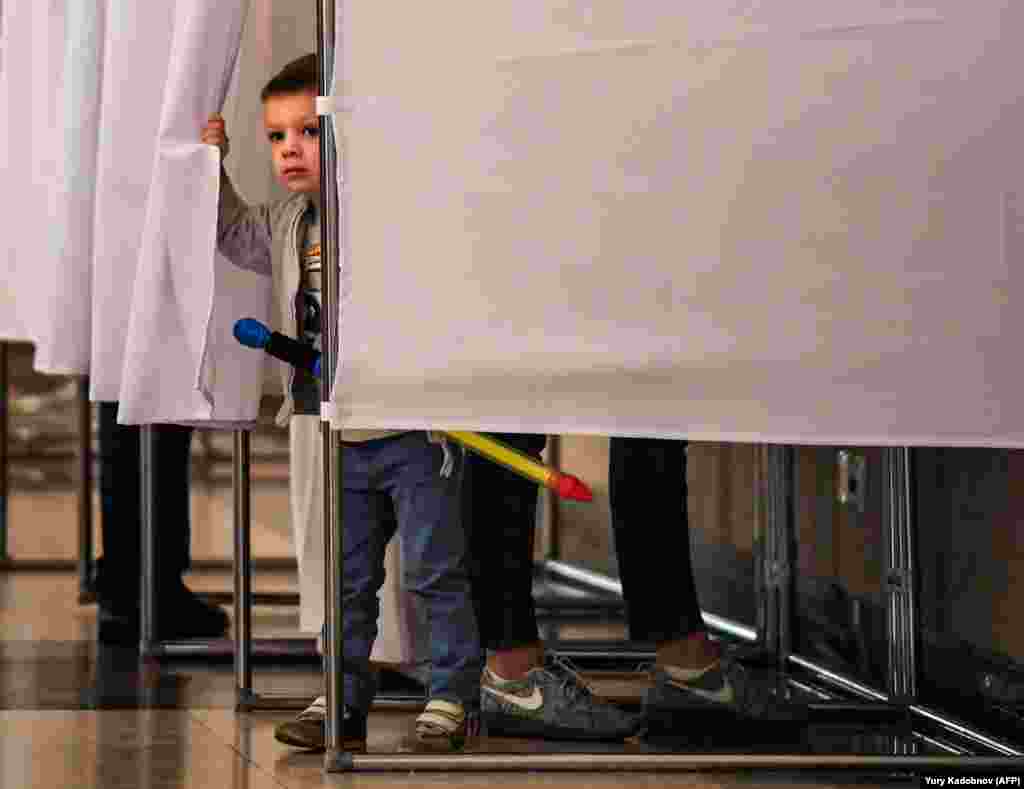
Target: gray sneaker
553,703
726,693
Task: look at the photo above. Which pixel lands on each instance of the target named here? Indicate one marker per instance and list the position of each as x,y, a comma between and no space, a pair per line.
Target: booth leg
553,538
901,583
242,519
337,759
4,411
150,536
776,572
766,608
86,590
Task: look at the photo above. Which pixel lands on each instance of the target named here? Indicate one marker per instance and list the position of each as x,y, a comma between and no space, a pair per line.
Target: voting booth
785,223
718,223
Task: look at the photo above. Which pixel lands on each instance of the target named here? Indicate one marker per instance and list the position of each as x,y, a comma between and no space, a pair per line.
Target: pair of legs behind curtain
651,531
647,487
650,526
180,614
652,543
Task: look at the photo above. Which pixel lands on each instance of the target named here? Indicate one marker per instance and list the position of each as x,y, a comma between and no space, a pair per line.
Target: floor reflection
87,676
83,675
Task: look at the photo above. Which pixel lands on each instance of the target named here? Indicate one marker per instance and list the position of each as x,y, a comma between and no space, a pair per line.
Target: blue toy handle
251,333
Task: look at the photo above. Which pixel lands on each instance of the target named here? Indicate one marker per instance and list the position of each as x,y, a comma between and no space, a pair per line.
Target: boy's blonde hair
299,76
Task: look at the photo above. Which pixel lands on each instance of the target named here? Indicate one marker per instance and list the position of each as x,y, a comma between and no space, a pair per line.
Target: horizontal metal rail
635,762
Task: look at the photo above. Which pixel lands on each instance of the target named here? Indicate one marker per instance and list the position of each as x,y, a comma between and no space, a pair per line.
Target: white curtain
778,221
32,91
63,345
12,319
136,55
181,361
112,90
770,221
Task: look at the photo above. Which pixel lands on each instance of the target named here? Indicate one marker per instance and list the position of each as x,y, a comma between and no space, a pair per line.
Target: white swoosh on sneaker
531,703
724,695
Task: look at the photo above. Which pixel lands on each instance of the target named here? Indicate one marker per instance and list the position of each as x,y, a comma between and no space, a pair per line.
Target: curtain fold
181,360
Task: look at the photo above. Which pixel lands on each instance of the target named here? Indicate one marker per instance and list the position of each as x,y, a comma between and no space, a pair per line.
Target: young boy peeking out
391,479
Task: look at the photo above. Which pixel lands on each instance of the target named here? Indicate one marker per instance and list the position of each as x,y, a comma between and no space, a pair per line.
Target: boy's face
293,130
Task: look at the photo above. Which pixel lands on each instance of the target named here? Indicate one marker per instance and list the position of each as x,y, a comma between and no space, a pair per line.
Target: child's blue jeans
394,483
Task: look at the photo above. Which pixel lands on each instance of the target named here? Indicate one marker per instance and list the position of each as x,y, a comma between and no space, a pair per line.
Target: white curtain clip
333,105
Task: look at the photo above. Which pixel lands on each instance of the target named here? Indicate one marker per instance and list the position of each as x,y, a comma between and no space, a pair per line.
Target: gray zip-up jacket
265,239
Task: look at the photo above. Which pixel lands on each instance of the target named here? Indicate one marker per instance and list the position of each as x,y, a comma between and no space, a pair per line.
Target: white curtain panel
31,93
340,90
64,274
49,100
181,360
782,221
12,321
136,54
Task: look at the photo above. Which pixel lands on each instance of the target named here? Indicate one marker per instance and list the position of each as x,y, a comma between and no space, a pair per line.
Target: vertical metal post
764,624
786,552
336,760
150,580
242,520
776,607
768,607
553,538
901,582
86,593
4,395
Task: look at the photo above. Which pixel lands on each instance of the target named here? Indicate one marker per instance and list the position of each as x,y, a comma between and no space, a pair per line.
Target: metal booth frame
777,600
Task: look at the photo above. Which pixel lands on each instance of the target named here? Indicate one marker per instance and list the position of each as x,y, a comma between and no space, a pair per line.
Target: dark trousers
500,513
647,487
119,568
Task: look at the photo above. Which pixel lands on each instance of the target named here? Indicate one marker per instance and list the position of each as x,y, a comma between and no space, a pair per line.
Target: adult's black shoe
724,699
180,615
